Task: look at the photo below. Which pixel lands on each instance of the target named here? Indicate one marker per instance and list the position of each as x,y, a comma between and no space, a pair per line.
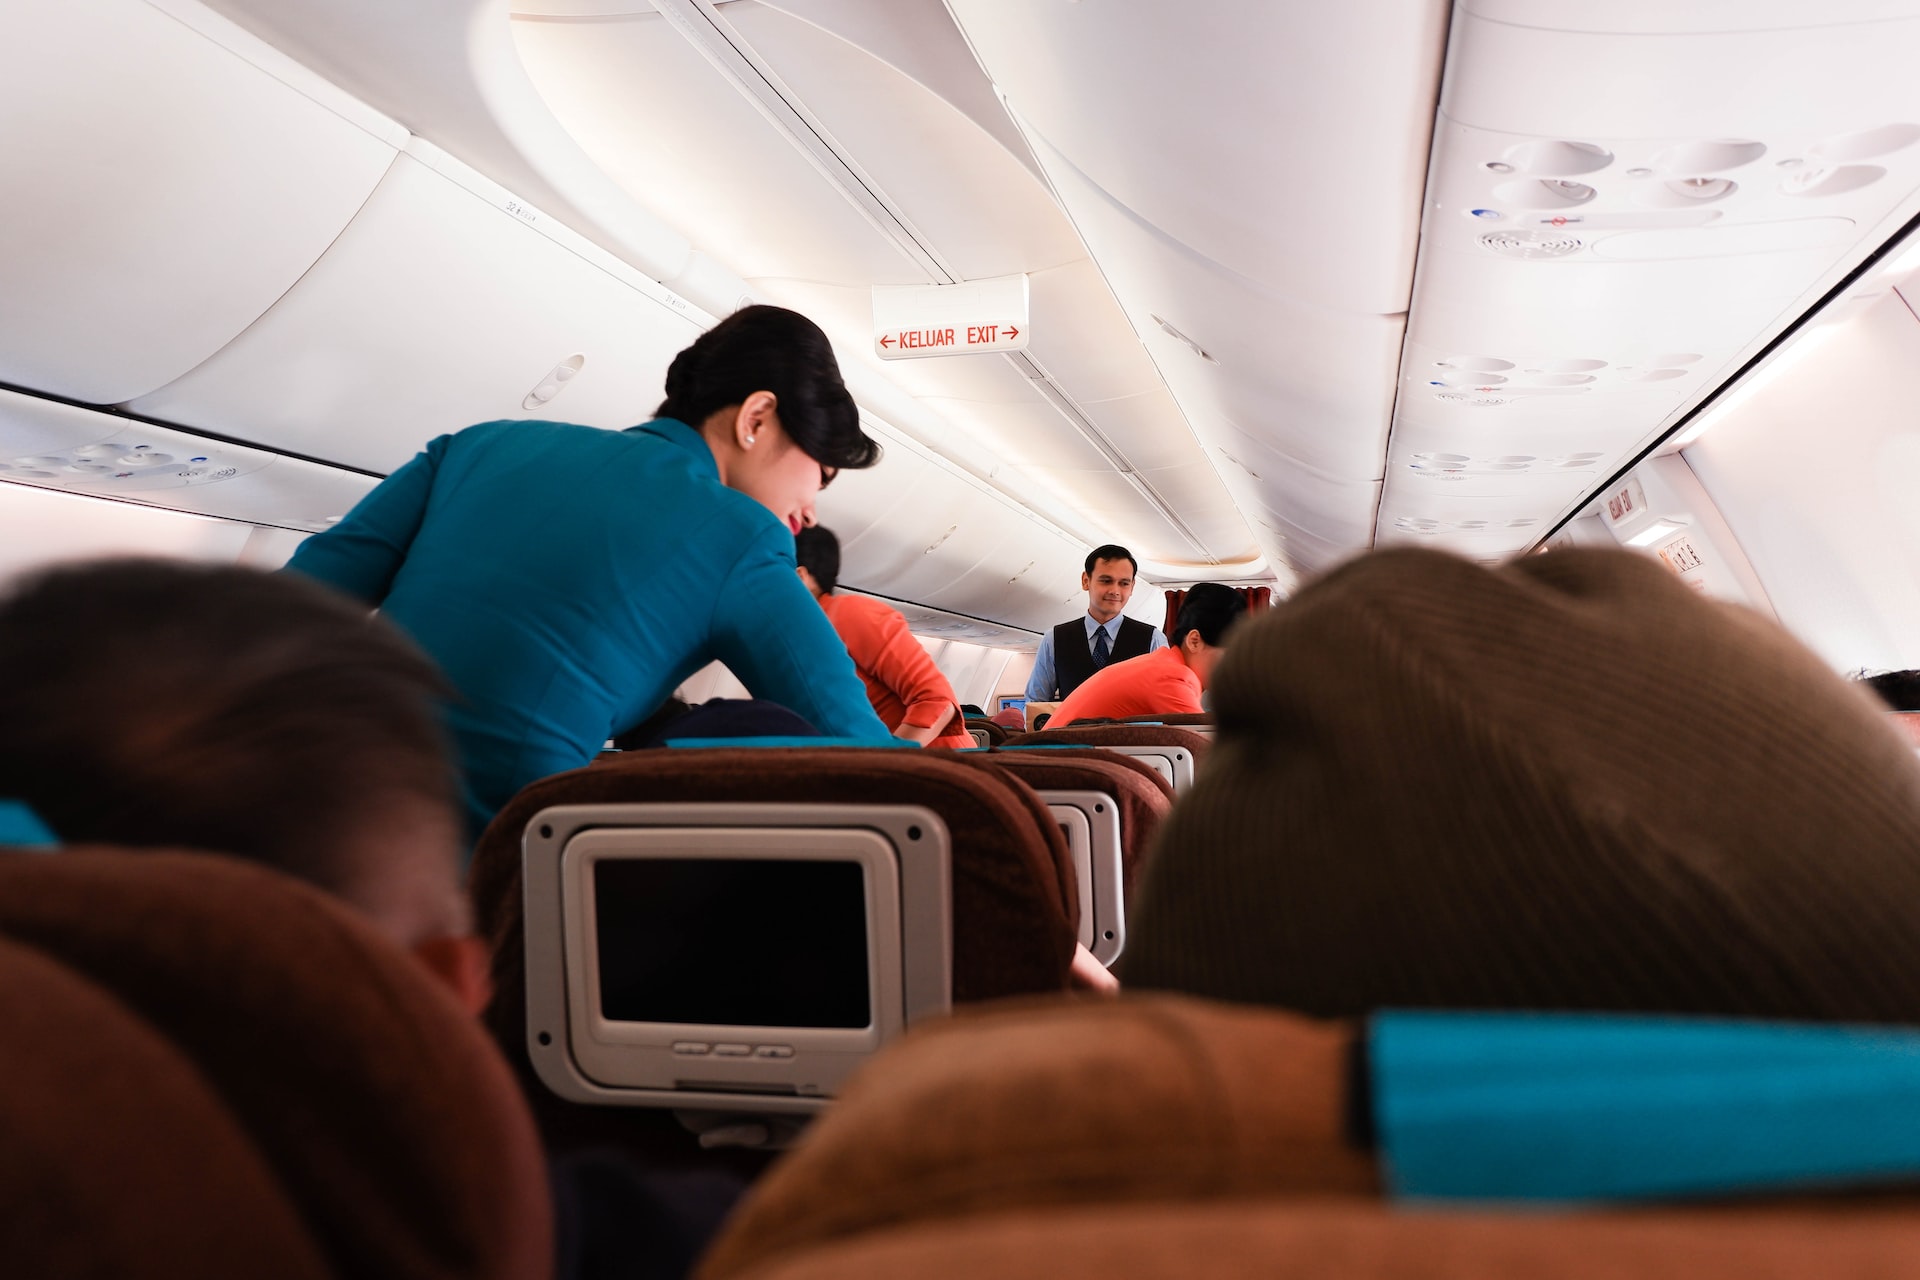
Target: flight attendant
906,689
1075,649
1168,681
568,578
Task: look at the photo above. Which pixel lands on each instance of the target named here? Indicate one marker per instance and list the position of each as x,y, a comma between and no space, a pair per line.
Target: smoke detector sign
912,322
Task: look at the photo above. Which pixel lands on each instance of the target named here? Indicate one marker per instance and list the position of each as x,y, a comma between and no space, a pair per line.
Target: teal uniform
567,579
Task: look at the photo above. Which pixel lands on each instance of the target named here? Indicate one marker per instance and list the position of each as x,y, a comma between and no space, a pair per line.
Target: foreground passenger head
1570,783
170,705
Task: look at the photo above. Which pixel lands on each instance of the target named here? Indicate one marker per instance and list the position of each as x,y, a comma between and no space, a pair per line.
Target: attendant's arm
362,553
770,633
896,660
1040,683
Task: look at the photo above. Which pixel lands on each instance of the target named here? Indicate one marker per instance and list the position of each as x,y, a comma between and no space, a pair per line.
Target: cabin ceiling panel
161,192
1653,17
656,117
1289,145
1318,381
394,337
985,211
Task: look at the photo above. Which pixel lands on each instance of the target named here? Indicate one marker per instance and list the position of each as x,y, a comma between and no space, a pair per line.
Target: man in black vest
1076,649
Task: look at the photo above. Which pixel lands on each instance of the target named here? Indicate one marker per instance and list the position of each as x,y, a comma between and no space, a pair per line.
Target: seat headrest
1348,1240
380,1104
1566,783
1116,735
1054,1102
120,1161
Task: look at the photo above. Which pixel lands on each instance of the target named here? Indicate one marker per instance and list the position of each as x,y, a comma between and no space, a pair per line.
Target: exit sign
911,322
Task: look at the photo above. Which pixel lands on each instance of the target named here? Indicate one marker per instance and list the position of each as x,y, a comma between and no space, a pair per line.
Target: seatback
1084,782
1200,722
1014,909
120,1158
1176,752
378,1102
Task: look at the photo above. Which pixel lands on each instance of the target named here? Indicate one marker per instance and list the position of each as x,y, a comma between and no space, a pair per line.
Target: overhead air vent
1530,245
1468,397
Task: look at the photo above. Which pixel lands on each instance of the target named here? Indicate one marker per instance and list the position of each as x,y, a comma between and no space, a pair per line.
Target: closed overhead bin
446,302
167,178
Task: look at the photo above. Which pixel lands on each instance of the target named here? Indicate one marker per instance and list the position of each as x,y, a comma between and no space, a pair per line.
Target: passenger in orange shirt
906,689
1167,681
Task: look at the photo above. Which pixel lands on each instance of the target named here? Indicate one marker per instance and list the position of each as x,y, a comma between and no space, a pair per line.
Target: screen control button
773,1051
732,1050
691,1048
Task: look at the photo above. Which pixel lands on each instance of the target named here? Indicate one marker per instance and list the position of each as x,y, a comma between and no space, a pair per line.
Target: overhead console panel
162,190
1626,202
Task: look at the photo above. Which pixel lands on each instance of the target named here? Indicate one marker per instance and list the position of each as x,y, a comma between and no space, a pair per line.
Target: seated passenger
1550,785
906,689
1166,681
231,711
568,579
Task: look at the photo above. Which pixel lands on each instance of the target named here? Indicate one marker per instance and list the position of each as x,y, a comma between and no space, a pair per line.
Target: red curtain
1258,599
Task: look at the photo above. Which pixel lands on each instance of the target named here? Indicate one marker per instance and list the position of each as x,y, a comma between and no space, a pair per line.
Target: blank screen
750,943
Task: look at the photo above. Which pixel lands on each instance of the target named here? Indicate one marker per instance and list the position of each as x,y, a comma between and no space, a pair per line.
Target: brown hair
151,703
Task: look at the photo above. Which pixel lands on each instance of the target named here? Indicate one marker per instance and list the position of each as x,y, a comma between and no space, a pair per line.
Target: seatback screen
748,942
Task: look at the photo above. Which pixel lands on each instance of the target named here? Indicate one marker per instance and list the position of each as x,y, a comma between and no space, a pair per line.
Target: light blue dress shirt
568,578
1040,684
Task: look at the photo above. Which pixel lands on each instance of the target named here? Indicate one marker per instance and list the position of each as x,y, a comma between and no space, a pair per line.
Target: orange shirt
903,684
1158,683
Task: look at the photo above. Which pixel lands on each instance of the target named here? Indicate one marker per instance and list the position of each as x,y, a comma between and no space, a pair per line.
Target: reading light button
691,1048
773,1051
732,1050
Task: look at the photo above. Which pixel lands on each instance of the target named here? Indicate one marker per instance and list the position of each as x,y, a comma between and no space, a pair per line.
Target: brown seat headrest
1347,1240
116,1158
1141,796
1064,1102
380,1104
1566,783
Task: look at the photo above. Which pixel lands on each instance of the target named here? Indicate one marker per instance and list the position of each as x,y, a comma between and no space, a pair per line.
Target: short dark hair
1211,608
1898,689
1112,552
221,709
816,550
772,349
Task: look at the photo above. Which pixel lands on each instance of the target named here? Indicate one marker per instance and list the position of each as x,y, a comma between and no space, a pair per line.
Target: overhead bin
162,190
51,445
446,302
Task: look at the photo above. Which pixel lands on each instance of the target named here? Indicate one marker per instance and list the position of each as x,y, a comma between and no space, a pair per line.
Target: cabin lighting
1658,531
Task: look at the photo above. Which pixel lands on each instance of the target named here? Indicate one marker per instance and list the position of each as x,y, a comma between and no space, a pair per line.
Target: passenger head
817,553
1545,786
1200,632
1108,581
763,388
157,704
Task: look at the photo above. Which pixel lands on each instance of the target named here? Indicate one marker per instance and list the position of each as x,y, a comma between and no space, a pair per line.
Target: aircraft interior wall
39,527
1817,473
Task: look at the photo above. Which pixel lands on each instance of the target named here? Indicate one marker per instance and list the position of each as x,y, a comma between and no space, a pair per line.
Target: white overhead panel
1624,204
890,171
167,178
1247,176
446,302
51,445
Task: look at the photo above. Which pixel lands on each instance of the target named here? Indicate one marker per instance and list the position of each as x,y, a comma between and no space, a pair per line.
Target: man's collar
1093,626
